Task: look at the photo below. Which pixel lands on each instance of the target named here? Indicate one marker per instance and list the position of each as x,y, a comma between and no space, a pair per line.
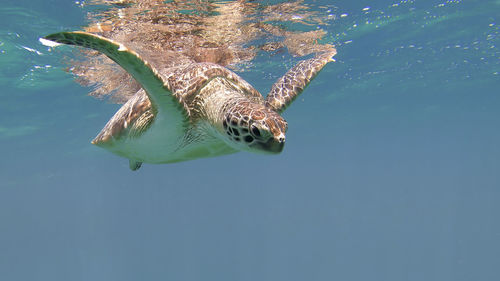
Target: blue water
391,169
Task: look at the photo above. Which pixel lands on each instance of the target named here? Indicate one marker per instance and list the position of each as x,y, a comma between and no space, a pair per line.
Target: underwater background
391,169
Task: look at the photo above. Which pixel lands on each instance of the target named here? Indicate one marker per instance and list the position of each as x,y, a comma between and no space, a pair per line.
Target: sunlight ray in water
17,131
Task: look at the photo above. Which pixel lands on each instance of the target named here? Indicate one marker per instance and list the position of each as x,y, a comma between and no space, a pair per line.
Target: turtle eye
255,131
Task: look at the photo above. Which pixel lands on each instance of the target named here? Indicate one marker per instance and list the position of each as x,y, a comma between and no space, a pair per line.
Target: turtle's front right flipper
162,99
288,87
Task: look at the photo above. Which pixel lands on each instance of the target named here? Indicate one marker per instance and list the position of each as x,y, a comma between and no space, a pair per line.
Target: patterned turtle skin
193,110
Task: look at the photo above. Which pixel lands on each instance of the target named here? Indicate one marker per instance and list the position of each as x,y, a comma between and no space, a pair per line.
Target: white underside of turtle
162,143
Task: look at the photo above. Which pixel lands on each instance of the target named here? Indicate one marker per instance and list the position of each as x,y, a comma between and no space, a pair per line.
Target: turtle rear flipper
134,165
288,87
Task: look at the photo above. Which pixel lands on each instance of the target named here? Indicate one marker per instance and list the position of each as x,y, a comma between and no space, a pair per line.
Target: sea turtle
193,110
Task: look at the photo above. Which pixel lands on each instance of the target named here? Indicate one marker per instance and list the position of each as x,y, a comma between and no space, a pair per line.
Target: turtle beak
274,145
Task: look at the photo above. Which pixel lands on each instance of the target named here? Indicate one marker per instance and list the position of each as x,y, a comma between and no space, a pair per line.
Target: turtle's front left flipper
161,97
288,87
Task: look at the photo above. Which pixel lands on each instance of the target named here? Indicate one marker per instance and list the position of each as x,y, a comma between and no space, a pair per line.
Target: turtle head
255,128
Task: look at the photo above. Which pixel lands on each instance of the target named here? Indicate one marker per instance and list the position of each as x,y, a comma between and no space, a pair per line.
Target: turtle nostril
281,139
